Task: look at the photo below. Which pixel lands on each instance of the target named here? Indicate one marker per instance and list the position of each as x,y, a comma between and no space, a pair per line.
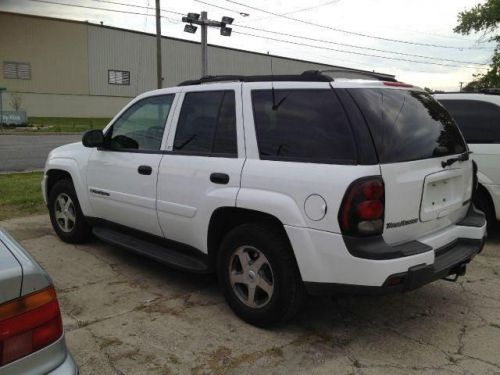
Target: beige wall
56,105
56,50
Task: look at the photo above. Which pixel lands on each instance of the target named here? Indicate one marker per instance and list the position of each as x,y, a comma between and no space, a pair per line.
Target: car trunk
11,275
423,161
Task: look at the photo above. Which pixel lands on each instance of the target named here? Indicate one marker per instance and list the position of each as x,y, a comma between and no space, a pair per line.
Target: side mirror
93,138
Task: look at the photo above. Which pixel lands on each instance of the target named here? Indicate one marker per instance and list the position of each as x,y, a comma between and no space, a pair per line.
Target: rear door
201,170
418,144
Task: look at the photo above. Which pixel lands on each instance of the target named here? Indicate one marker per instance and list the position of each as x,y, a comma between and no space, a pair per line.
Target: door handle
219,178
145,169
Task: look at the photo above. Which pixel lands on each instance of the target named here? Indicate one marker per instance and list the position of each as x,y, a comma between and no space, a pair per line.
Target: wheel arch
224,219
68,169
55,175
483,190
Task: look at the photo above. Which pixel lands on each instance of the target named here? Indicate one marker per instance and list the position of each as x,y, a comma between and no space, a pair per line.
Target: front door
122,176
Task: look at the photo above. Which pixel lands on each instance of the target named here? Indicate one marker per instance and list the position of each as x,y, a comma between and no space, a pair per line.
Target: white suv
281,184
478,117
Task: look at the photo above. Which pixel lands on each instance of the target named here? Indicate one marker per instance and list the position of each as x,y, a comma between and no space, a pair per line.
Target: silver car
31,330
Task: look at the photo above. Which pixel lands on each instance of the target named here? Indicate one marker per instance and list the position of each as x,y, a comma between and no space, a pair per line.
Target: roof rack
307,76
375,75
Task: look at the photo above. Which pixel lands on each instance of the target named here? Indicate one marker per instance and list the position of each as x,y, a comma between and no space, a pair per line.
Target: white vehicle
31,329
478,117
281,184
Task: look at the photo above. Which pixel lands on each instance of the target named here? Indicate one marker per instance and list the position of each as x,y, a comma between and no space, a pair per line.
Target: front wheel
259,276
66,215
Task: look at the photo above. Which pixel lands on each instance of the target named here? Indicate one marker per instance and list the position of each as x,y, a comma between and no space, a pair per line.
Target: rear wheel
259,276
483,202
66,215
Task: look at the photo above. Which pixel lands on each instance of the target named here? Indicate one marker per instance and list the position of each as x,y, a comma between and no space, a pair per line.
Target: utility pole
461,85
158,45
204,48
204,22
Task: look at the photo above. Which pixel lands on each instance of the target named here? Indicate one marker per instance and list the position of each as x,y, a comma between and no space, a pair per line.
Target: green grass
67,124
21,195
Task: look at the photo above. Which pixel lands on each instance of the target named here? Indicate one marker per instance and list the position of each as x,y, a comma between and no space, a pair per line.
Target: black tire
78,232
484,203
288,289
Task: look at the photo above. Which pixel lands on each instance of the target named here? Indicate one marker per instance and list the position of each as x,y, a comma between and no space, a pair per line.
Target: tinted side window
207,124
302,125
141,127
479,121
408,125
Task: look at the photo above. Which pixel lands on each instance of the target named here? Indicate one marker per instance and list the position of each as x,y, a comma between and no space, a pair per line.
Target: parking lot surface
124,314
20,153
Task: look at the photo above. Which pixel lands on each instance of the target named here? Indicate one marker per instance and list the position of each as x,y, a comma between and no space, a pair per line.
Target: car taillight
362,210
397,84
28,324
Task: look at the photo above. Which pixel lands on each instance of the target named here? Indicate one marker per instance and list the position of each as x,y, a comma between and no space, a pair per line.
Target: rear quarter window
302,125
479,121
408,125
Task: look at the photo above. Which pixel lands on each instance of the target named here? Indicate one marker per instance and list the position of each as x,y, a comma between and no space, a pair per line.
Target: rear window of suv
306,125
408,125
479,121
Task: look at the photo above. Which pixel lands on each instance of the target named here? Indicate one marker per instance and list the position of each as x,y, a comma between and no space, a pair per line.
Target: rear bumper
68,367
450,260
328,266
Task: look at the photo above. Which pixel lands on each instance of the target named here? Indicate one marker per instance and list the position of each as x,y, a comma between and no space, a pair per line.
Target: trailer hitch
456,272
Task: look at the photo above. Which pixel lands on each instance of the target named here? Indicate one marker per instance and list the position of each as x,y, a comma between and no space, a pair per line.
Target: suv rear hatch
423,160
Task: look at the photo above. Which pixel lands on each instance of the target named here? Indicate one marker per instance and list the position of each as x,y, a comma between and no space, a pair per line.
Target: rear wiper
462,157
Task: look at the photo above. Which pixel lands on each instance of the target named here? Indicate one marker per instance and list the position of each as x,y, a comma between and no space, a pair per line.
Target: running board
166,255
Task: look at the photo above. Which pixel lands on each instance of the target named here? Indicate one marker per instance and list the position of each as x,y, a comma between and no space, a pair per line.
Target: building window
118,77
16,70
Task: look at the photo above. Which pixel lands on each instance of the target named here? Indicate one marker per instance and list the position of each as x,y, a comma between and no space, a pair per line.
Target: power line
218,6
356,53
311,7
350,32
358,46
105,9
262,37
341,44
136,6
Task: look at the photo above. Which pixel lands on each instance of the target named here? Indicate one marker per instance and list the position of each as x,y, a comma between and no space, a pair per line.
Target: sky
363,34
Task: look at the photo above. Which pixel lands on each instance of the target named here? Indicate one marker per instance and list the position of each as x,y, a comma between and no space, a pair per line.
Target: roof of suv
307,76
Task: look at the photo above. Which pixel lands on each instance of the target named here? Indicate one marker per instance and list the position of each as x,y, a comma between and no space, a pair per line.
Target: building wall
63,105
56,50
70,62
111,49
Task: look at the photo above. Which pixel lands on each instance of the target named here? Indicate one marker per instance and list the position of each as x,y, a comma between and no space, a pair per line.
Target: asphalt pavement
20,153
124,314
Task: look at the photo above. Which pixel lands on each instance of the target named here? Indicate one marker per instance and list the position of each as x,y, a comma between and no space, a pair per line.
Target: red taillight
28,324
362,210
370,210
397,84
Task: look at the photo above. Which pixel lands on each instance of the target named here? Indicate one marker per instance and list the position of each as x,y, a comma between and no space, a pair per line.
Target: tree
15,101
486,18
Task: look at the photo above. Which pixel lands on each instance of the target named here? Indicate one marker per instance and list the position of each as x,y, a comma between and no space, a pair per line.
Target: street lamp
204,22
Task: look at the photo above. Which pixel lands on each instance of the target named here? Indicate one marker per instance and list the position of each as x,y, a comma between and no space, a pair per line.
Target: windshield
408,125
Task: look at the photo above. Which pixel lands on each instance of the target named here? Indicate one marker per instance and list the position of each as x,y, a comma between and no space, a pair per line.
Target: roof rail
307,76
377,76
